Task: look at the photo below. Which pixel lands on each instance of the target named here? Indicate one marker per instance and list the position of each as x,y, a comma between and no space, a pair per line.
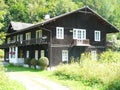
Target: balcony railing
85,42
25,42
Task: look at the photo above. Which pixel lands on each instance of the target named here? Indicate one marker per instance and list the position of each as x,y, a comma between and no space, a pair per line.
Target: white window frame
27,54
38,34
36,54
42,53
59,33
18,37
97,35
21,37
28,36
93,55
65,55
79,34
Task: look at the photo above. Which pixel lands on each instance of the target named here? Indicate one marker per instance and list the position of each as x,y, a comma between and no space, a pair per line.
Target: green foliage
43,62
7,84
93,73
1,54
110,56
33,62
10,65
27,61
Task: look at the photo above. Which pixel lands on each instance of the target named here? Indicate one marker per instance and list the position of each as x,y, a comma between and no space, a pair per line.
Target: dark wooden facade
84,18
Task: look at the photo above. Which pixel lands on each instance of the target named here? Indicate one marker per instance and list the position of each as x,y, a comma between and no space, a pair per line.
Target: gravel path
35,82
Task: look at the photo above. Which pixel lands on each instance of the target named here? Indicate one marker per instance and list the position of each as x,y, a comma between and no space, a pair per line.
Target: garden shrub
27,61
43,62
110,56
33,62
92,73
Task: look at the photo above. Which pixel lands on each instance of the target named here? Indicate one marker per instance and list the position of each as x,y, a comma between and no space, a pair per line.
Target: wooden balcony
81,42
33,41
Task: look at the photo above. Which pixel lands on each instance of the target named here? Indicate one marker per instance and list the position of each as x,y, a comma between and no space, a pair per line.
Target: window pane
64,55
60,33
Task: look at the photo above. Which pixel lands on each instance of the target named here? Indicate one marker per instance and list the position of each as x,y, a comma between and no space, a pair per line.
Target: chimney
47,16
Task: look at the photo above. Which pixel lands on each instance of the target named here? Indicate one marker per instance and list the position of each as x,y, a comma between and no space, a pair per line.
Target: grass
86,75
6,83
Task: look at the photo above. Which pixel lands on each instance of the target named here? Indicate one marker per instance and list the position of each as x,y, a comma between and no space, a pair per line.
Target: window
21,37
18,37
59,32
38,34
93,55
64,55
8,40
28,36
27,54
14,38
36,54
42,53
97,35
79,34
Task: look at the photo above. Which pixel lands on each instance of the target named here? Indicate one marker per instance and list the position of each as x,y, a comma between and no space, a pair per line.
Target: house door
36,54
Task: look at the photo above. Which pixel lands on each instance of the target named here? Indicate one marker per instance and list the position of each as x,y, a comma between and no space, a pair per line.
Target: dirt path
35,82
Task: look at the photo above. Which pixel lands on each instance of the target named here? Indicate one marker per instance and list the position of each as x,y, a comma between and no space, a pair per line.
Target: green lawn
72,84
6,83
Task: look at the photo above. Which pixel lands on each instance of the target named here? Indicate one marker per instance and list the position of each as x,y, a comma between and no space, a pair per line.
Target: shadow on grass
20,69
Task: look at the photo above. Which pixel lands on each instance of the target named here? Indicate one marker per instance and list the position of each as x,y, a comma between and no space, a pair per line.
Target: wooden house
59,38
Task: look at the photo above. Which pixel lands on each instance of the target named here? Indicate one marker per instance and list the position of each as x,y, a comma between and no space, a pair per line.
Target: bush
43,62
27,61
110,56
33,62
92,73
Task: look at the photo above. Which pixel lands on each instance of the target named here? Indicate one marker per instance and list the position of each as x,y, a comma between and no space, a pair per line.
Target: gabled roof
19,26
86,10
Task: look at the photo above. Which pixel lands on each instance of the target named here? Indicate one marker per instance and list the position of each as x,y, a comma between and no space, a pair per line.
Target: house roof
85,9
19,26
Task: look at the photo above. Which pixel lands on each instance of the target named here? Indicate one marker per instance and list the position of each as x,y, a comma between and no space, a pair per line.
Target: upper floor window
21,37
8,40
79,34
14,38
38,34
59,32
18,37
28,36
97,35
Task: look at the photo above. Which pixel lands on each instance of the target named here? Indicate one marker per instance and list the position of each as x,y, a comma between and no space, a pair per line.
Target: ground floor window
27,54
36,54
42,53
64,55
93,55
